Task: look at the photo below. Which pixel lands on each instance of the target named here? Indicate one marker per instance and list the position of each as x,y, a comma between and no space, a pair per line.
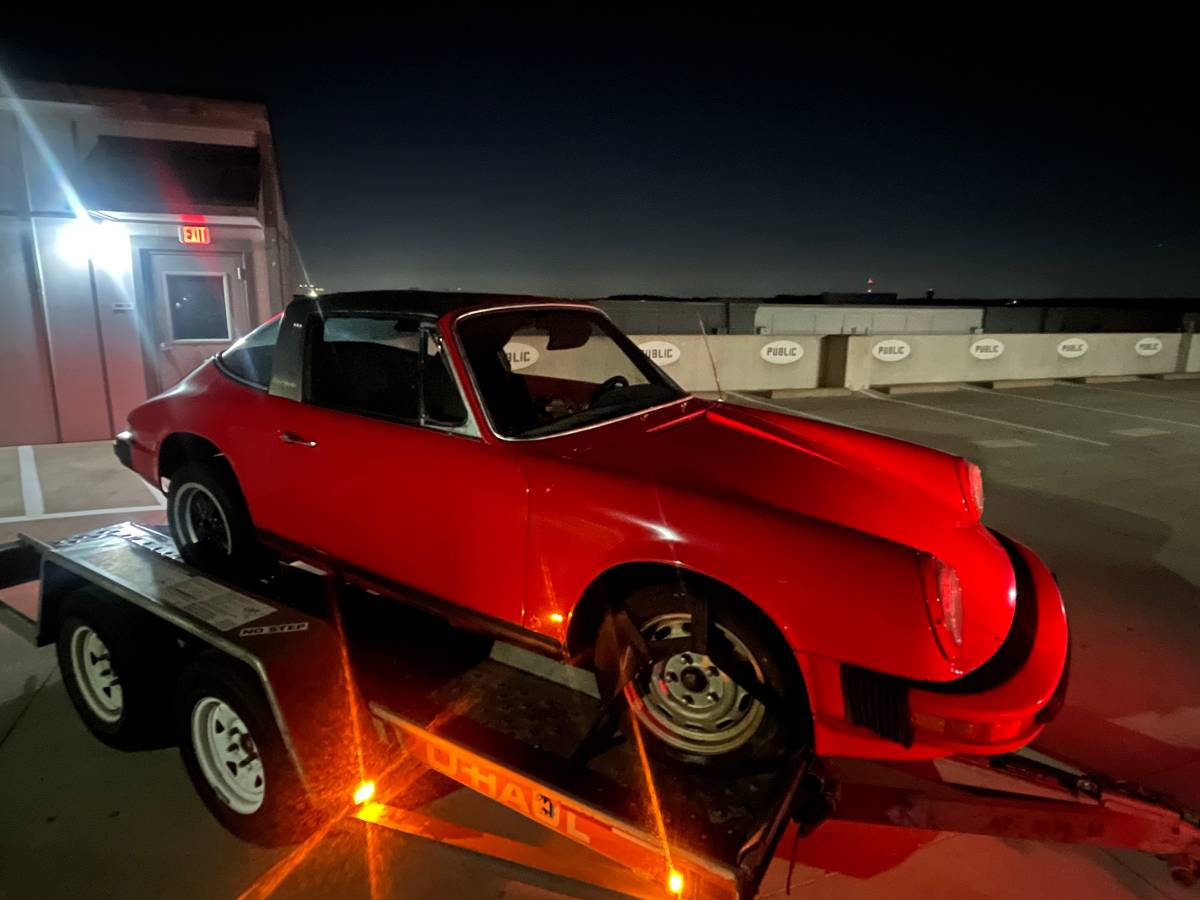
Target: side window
250,358
366,366
386,368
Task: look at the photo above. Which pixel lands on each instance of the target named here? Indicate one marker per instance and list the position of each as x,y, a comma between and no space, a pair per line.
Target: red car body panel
819,525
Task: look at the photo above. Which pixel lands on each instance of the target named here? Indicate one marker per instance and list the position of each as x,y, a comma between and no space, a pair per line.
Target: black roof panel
429,304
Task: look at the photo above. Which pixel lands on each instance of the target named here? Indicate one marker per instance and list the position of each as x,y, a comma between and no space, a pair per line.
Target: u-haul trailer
303,700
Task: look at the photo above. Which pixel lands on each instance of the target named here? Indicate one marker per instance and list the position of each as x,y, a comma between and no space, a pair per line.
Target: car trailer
301,699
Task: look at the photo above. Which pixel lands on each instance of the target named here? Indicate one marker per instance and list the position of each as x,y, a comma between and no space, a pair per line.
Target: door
398,484
198,306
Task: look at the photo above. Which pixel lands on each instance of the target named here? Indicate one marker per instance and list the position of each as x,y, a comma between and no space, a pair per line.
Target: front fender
830,590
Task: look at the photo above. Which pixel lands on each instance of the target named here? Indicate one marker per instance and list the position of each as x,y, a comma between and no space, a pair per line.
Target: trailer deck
364,690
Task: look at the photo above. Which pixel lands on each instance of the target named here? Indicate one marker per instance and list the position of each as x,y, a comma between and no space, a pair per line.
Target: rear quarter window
250,359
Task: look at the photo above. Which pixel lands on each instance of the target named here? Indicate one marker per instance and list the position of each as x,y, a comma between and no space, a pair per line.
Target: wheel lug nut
713,671
671,676
687,698
686,659
712,695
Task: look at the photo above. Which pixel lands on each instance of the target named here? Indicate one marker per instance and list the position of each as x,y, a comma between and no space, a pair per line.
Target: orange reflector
364,792
675,882
556,618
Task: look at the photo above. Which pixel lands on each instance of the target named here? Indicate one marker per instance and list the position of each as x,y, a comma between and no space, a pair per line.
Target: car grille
877,702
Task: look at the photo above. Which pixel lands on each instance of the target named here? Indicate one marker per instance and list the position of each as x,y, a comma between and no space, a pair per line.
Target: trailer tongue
358,698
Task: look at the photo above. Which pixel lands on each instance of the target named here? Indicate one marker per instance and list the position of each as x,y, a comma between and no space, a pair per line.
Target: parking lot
1100,479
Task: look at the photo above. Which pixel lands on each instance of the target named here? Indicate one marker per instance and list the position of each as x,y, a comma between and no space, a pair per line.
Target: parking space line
1099,409
792,411
1167,397
966,415
154,492
1140,432
1003,443
31,487
120,510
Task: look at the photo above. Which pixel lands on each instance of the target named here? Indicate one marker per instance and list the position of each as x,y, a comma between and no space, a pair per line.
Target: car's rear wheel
739,700
211,525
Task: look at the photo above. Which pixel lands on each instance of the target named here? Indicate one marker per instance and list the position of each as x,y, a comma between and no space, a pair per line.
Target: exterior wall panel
74,339
27,407
46,193
12,180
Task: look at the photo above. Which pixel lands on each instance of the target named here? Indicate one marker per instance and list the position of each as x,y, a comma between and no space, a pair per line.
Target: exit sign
195,234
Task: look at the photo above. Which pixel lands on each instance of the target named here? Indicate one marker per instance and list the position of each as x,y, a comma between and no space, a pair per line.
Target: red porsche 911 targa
519,466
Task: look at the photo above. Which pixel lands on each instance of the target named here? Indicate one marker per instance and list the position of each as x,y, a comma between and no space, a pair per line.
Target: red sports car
519,466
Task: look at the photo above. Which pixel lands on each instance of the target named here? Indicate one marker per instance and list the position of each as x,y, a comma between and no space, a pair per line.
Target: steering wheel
610,384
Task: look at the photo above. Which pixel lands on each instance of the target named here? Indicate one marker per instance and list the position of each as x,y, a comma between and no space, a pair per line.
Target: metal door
198,306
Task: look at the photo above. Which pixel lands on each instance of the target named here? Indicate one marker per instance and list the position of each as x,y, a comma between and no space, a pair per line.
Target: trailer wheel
114,665
235,755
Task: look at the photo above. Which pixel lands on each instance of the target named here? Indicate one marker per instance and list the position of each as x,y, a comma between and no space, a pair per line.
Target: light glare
675,882
104,243
364,792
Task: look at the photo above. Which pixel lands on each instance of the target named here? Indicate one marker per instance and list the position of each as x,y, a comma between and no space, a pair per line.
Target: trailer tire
249,784
117,665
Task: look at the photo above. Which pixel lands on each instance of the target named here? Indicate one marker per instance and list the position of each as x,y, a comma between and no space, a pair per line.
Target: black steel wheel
211,525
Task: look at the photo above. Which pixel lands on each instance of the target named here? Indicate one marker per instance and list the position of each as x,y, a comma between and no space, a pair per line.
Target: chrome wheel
94,674
686,700
227,755
200,520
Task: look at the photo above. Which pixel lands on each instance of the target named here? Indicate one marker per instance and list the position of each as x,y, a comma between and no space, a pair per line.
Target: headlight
971,478
943,602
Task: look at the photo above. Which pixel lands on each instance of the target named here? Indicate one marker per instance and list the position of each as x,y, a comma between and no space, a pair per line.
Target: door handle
290,437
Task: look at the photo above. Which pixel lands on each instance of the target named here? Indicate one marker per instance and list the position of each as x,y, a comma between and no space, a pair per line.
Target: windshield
546,371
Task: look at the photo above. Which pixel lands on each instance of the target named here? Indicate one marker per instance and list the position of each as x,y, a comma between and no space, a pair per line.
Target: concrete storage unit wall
882,360
102,303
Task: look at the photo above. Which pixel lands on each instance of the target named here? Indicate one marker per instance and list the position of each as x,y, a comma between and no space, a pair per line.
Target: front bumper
123,448
135,456
998,708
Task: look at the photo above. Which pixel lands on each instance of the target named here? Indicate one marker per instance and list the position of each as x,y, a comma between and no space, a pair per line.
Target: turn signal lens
944,603
971,477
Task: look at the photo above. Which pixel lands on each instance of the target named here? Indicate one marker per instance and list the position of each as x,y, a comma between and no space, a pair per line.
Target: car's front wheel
732,699
210,523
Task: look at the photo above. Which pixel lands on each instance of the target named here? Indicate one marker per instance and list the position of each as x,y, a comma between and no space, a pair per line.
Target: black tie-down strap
710,641
621,649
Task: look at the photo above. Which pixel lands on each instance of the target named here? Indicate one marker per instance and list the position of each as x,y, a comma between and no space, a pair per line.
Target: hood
884,487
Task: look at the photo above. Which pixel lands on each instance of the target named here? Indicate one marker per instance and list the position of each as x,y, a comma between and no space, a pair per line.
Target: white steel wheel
95,676
689,703
228,756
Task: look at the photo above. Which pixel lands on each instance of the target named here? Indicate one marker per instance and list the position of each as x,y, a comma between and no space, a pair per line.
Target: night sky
760,157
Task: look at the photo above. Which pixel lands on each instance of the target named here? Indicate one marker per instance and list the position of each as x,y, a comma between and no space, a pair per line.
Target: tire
211,525
250,785
116,663
722,725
